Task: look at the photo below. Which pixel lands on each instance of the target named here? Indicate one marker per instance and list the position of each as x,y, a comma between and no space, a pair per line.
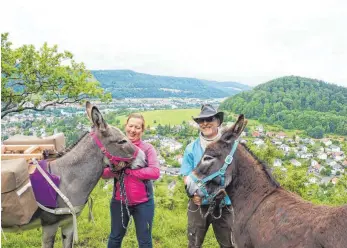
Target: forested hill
295,102
126,83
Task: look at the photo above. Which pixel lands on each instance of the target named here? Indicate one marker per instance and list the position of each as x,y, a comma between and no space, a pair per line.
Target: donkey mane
263,166
68,149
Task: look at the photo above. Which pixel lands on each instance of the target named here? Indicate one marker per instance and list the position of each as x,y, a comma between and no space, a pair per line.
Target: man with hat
209,121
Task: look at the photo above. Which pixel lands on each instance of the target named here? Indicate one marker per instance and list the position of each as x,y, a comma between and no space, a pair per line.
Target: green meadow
177,116
165,117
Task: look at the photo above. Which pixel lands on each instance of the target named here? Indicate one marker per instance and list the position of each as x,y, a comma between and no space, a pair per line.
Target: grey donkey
80,170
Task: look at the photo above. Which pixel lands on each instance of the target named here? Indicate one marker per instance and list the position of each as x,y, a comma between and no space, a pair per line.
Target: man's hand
185,178
197,199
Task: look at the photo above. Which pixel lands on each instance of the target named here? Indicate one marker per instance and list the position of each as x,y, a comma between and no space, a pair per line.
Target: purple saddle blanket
43,191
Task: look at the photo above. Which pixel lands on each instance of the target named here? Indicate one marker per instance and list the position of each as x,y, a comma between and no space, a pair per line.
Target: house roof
334,180
317,166
337,153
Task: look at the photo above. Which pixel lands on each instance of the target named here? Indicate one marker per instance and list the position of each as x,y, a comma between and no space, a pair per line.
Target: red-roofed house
270,134
334,180
318,168
281,135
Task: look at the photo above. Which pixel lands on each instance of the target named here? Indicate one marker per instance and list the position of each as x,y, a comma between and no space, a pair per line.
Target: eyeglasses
208,119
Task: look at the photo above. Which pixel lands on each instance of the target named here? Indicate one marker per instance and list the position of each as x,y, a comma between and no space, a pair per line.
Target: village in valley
324,158
21,123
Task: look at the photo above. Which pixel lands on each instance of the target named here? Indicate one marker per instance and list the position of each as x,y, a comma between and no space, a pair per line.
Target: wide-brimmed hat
208,111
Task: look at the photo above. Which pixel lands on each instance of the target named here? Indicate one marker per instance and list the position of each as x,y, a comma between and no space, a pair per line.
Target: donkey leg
67,235
48,235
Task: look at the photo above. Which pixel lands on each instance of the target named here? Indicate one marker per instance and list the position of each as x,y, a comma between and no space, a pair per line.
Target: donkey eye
122,141
217,180
207,158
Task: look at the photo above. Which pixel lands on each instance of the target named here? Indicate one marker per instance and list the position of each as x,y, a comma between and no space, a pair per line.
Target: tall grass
169,227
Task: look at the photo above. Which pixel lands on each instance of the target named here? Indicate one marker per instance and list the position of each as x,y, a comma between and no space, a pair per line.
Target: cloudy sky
244,41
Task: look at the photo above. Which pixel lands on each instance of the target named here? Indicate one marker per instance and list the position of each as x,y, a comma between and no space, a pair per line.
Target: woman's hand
118,167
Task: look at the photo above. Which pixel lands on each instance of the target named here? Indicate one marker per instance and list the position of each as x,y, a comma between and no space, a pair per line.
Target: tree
294,179
36,79
325,172
268,154
316,132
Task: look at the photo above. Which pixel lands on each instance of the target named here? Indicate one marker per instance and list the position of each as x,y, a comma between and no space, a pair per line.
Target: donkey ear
236,129
98,120
89,107
239,126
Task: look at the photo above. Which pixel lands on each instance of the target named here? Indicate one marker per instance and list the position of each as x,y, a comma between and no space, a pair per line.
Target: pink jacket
137,185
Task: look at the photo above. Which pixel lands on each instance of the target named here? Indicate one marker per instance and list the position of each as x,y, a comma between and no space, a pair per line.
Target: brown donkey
266,215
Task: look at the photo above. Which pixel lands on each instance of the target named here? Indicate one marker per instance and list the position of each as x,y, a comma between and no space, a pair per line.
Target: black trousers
198,226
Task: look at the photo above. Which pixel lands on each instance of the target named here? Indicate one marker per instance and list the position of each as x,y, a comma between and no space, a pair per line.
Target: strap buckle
228,159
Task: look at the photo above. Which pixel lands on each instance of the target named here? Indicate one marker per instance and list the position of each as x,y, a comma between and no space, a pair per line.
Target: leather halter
113,159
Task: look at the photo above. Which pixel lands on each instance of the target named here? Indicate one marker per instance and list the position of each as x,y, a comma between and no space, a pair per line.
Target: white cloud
246,41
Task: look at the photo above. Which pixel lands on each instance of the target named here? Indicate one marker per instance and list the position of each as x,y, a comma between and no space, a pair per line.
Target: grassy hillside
169,228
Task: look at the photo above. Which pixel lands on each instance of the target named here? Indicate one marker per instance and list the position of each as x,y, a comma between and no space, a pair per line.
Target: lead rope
90,210
206,214
193,211
211,209
221,206
220,214
3,233
122,192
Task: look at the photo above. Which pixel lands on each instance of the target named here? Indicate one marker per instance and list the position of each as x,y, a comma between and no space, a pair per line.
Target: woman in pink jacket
138,190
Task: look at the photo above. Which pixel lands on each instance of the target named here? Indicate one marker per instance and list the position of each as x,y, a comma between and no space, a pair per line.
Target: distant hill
126,83
232,88
295,102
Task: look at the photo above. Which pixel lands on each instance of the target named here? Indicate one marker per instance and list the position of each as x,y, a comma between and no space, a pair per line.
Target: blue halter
201,183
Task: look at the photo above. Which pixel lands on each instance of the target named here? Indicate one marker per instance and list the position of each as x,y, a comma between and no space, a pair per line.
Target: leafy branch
36,79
